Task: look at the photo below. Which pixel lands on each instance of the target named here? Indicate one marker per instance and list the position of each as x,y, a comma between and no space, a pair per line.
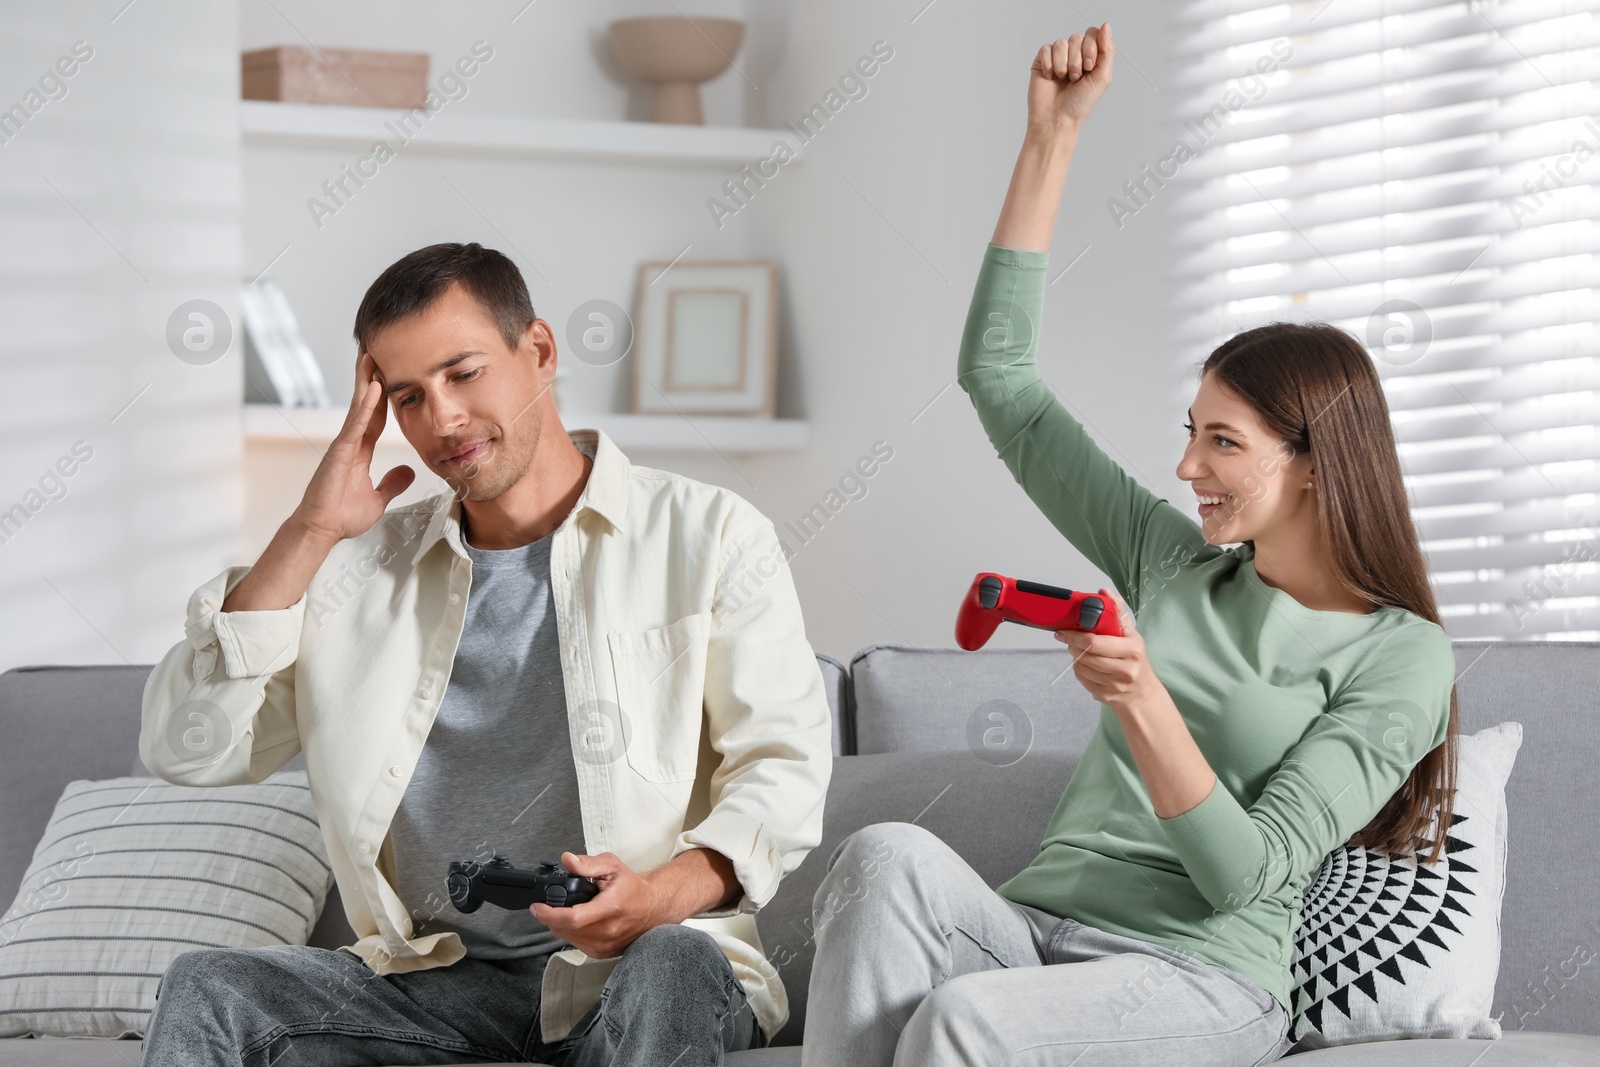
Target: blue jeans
672,998
921,964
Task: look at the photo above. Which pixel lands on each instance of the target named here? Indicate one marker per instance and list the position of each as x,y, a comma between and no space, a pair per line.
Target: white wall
871,317
118,202
874,316
872,303
577,230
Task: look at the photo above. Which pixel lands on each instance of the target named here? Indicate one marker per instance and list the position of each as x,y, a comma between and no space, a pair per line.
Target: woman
1276,700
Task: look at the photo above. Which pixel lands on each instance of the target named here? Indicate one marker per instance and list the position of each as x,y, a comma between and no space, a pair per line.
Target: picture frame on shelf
705,338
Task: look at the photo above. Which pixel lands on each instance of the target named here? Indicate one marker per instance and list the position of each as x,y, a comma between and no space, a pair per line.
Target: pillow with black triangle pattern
1391,947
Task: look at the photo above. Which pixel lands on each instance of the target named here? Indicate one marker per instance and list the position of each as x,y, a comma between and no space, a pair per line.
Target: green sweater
1310,719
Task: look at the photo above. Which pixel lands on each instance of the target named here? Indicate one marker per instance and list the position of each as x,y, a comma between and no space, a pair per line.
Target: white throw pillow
1394,948
132,872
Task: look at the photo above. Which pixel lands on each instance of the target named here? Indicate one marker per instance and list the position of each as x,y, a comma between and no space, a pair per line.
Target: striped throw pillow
130,873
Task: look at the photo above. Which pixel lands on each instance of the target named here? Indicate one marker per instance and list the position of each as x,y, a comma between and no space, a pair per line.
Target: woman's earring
1308,485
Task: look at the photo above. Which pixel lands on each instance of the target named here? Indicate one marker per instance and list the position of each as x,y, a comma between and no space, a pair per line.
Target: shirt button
395,771
455,598
364,847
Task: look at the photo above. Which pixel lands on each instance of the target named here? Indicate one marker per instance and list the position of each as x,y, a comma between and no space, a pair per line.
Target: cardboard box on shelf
349,76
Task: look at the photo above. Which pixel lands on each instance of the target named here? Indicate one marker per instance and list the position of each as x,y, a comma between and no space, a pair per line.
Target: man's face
471,406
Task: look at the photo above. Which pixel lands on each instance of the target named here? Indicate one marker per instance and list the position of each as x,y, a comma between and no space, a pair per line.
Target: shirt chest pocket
661,676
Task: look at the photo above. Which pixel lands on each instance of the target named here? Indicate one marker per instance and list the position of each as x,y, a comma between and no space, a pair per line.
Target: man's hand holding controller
339,502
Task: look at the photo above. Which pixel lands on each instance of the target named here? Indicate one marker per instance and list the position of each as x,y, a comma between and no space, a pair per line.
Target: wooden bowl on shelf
675,54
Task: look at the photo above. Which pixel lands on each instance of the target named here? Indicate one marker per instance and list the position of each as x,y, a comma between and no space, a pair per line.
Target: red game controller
994,599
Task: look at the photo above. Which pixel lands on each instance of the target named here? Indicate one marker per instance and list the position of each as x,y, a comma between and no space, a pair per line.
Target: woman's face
1247,481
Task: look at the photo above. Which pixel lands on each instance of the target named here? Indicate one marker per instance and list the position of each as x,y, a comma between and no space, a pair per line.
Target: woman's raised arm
1120,525
1068,79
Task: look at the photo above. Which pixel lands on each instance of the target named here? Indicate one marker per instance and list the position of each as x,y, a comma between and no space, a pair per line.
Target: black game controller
498,882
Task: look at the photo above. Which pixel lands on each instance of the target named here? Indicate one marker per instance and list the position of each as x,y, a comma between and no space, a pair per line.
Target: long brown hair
1315,386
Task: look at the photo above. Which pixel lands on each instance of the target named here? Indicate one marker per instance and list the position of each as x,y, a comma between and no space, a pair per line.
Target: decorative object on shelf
350,76
675,54
278,366
706,338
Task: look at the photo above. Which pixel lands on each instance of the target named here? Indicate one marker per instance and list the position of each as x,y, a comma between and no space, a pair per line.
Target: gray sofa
907,727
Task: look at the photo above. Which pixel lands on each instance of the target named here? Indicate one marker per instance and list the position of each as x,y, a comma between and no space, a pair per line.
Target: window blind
1424,175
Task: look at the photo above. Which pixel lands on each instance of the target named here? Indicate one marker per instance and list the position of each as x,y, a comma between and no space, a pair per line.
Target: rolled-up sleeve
767,716
219,709
1355,756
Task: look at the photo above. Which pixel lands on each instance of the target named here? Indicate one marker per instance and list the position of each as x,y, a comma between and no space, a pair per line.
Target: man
567,655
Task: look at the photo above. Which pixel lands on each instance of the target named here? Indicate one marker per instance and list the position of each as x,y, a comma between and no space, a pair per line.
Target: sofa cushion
1513,1050
1391,947
995,703
60,1052
835,681
961,799
69,1052
132,873
1516,1050
1549,932
907,698
60,724
63,723
776,1056
333,928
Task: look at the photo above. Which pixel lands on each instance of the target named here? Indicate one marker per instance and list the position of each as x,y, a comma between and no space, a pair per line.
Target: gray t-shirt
496,774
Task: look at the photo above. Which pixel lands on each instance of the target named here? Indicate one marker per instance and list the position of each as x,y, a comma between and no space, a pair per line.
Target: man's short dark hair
417,279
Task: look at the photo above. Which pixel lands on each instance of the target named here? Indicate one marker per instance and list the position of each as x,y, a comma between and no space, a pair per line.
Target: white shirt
674,604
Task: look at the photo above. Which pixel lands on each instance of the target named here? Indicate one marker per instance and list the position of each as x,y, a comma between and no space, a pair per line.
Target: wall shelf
267,123
269,424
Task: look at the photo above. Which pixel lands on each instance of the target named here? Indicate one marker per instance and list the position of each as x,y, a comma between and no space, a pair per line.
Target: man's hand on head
630,902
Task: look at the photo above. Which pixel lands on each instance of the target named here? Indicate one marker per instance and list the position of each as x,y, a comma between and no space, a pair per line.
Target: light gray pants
920,964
